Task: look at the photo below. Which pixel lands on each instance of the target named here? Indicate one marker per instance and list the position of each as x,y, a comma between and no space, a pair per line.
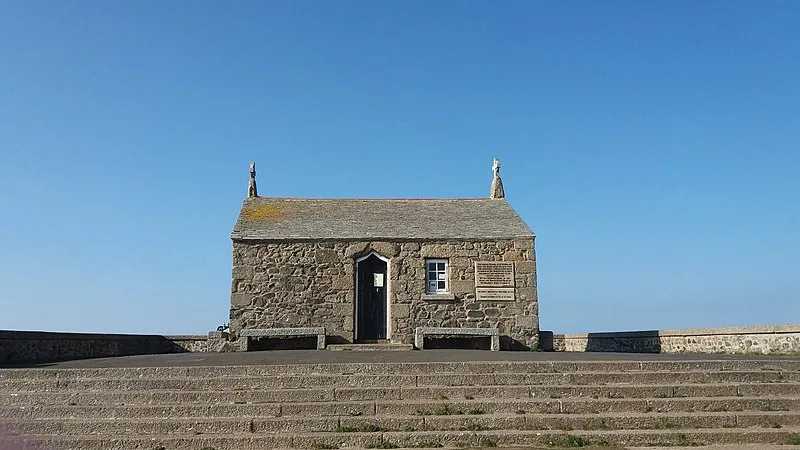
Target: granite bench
247,334
421,332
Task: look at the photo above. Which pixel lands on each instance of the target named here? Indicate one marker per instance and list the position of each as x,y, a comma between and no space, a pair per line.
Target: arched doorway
372,295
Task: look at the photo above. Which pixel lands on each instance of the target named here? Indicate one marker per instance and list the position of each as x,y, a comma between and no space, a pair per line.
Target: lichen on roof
257,211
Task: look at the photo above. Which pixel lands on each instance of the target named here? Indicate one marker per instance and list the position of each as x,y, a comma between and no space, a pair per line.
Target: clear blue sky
654,147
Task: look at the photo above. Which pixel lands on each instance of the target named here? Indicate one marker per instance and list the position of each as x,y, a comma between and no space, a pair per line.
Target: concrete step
605,378
155,397
459,439
147,411
204,425
360,380
482,367
410,407
584,406
173,397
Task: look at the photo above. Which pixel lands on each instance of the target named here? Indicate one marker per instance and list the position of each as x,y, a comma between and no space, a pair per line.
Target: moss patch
263,212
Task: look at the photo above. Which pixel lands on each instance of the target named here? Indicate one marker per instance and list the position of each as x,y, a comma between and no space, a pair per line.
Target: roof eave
237,237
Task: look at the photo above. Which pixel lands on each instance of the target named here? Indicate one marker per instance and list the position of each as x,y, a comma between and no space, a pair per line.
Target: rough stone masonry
296,262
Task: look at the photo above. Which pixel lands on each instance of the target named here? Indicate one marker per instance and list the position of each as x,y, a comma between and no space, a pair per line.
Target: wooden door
371,306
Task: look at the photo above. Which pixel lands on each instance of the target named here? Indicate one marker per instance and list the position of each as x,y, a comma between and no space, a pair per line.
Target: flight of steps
398,405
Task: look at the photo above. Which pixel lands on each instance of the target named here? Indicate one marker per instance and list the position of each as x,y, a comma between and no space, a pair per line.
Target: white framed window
436,275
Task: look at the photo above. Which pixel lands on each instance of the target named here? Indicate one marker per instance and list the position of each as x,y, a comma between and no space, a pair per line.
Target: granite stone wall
26,347
291,284
776,339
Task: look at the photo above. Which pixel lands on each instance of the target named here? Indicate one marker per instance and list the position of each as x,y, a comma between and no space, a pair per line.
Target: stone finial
497,183
251,188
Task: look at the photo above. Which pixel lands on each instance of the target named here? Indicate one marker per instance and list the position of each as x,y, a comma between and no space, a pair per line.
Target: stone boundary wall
770,339
33,347
25,347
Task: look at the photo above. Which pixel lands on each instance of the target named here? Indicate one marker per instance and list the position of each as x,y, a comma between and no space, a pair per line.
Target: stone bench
247,334
421,332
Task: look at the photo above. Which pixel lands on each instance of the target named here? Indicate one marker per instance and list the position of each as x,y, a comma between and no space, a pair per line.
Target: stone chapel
372,270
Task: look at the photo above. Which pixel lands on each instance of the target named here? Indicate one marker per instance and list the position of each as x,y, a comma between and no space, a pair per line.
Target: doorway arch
372,312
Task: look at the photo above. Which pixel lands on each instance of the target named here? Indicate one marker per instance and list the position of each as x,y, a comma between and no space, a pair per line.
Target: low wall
772,339
20,347
26,347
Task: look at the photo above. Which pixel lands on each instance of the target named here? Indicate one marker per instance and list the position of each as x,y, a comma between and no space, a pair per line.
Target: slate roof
263,218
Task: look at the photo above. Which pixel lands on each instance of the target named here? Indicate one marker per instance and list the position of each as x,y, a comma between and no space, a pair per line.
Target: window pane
440,266
442,285
431,266
441,276
431,275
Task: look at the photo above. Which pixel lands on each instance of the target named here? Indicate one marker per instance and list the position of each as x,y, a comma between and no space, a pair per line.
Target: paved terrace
418,356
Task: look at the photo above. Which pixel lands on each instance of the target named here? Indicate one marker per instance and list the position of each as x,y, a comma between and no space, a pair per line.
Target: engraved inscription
494,294
494,274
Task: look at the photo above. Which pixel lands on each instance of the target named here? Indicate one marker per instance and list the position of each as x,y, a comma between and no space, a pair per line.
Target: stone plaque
484,294
494,274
